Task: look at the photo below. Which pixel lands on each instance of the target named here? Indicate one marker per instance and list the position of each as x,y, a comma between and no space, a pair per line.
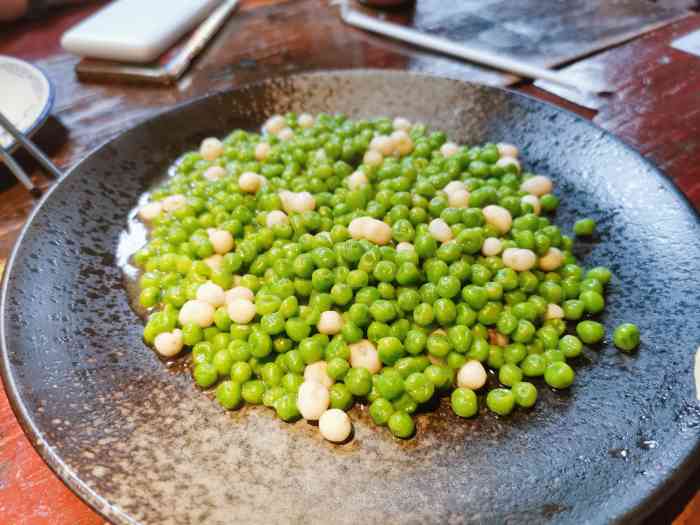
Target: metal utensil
35,152
480,56
174,68
16,169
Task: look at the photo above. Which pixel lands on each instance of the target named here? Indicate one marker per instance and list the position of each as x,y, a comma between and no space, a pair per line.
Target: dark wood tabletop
655,108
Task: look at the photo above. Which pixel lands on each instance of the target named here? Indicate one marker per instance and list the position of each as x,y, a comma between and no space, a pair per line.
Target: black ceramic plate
142,445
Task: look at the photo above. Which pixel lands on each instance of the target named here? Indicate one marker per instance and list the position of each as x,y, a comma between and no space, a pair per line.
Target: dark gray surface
540,32
143,445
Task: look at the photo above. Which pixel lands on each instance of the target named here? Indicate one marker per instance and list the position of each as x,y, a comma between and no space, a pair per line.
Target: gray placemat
546,33
542,32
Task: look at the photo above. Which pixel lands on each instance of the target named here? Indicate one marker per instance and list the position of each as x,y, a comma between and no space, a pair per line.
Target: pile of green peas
426,307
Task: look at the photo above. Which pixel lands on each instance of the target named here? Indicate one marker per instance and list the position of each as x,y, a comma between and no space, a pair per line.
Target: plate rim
637,511
45,112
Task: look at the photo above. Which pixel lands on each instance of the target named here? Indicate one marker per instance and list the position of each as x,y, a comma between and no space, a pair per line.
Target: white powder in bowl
24,93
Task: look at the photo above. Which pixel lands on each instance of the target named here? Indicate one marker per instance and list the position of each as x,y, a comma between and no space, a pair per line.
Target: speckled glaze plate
141,444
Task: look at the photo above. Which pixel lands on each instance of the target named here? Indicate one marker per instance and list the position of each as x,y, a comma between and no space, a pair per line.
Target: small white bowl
26,97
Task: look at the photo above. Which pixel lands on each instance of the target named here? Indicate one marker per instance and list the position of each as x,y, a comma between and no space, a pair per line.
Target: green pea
479,350
533,365
428,293
525,310
501,401
252,392
386,291
241,372
460,338
448,286
465,315
291,382
202,352
286,407
559,375
455,360
273,323
590,332
192,334
593,302
496,358
384,271
289,307
310,350
401,424
551,292
380,411
405,403
205,374
488,315
464,402
471,239
337,368
506,323
415,342
438,345
390,349
228,394
383,310
240,331
549,202
419,387
240,350
590,283
571,346
390,384
525,394
445,311
475,296
573,309
271,374
337,347
570,288
514,353
440,376
549,336
271,395
480,276
600,274
222,361
423,314
524,332
626,337
377,331
554,356
351,332
297,329
509,374
341,397
358,381
149,297
260,343
584,227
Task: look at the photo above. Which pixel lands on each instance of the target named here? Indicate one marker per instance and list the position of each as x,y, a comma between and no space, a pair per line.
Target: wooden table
656,109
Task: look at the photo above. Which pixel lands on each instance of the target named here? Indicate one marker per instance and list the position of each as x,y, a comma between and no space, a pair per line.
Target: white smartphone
135,30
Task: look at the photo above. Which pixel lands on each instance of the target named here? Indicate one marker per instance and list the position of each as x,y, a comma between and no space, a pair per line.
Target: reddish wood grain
30,494
655,109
